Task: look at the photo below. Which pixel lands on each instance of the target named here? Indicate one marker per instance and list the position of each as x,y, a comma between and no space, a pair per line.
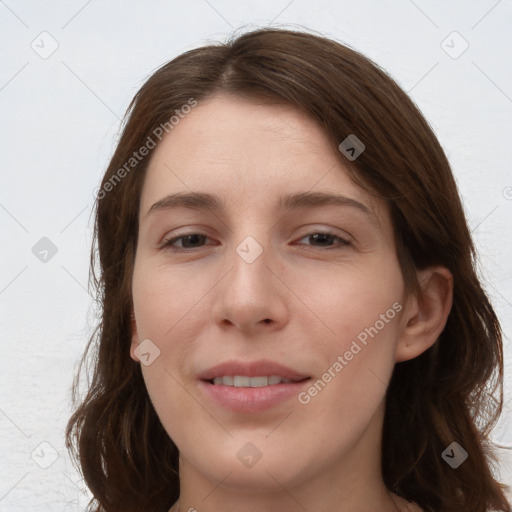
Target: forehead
248,152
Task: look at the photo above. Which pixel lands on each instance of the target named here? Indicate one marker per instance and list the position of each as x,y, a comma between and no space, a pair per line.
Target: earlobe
426,313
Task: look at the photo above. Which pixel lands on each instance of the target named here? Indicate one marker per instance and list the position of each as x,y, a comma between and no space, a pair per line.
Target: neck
389,503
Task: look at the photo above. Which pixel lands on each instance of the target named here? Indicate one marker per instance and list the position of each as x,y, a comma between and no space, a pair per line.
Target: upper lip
251,369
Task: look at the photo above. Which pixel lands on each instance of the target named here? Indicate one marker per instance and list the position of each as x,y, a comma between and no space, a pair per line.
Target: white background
59,123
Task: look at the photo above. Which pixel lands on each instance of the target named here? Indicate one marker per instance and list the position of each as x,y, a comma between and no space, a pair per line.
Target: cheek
163,300
170,399
167,313
349,385
354,361
351,300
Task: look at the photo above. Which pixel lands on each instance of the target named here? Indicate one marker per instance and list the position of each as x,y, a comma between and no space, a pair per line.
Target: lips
251,387
261,368
242,381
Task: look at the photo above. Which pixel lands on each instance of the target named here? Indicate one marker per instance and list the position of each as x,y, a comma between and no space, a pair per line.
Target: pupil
323,236
191,237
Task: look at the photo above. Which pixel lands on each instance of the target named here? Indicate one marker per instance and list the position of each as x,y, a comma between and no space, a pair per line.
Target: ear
426,313
135,337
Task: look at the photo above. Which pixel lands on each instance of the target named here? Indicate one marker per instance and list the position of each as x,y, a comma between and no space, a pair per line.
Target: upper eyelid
311,228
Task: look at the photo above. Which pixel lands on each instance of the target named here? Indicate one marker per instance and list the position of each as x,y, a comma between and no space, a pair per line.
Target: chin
242,466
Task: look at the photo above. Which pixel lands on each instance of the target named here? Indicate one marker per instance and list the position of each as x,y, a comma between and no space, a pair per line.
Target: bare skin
302,303
401,504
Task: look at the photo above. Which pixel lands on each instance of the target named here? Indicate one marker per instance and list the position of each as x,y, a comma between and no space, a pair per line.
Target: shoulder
406,506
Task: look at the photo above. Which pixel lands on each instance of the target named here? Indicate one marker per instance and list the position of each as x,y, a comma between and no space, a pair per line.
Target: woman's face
247,268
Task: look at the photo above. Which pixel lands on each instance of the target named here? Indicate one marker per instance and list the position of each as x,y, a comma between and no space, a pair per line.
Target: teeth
256,382
227,381
242,381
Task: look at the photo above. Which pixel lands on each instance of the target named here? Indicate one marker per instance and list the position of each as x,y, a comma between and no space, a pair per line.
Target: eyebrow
306,200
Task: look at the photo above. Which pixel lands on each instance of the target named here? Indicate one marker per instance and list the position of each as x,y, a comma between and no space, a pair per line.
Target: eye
325,239
196,240
188,241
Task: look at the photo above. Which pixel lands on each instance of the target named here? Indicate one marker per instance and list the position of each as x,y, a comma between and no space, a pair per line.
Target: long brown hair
452,392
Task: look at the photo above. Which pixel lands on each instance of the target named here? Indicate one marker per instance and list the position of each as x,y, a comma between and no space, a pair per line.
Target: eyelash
167,244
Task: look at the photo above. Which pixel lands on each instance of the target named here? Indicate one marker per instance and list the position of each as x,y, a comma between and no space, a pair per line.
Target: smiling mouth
244,381
254,393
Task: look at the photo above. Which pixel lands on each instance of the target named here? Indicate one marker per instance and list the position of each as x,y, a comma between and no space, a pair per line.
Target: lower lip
252,399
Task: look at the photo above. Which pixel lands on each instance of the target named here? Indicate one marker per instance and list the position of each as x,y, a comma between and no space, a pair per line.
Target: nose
252,297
